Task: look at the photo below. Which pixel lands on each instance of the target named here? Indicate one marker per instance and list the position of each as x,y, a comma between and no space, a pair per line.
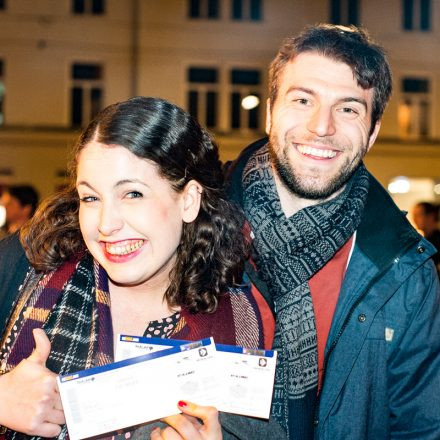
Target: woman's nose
110,221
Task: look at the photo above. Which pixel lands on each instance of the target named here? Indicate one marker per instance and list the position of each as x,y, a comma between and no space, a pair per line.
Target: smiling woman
142,236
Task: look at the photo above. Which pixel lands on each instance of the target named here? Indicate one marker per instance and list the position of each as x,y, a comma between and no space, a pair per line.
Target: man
354,291
20,203
352,285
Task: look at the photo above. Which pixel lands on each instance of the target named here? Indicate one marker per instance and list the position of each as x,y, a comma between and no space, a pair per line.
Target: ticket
138,390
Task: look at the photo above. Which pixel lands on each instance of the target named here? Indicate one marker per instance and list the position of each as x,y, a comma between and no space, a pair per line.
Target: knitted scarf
288,252
71,304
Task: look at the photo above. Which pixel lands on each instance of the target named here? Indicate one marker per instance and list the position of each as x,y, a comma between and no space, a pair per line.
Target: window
414,108
203,95
88,6
246,10
416,15
204,9
86,93
2,92
245,99
344,12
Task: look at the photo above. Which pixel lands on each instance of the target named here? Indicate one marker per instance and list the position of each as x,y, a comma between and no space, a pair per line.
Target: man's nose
322,122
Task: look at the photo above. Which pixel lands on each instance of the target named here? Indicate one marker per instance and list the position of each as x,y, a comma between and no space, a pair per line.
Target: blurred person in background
20,203
425,217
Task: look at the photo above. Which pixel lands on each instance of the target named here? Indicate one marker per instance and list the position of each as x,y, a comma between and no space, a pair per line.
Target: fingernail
182,403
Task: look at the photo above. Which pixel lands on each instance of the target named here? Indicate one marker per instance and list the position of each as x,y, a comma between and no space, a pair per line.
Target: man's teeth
303,149
123,249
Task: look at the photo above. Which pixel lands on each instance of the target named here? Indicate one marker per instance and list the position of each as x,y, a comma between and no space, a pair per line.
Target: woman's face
130,217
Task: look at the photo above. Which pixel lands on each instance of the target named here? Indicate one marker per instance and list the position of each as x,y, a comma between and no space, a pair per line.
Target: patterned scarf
289,251
71,304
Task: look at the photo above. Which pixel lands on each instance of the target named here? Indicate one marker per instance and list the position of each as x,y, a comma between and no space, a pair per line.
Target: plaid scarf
71,304
289,251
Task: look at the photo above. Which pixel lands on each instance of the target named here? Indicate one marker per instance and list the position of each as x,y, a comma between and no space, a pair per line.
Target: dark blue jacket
382,358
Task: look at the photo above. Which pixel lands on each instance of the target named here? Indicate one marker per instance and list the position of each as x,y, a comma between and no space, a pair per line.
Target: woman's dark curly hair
212,248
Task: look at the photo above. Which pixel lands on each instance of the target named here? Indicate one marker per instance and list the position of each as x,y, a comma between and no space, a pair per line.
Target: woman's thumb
42,347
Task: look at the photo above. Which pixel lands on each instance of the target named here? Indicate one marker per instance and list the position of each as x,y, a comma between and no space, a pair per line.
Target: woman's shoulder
253,318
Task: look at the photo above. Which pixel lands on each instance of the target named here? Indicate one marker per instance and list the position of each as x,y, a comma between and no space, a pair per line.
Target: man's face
319,126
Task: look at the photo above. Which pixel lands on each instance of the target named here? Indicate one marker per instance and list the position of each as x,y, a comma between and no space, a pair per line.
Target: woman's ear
191,199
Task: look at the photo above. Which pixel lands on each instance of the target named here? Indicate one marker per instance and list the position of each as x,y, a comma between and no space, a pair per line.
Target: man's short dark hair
350,45
26,195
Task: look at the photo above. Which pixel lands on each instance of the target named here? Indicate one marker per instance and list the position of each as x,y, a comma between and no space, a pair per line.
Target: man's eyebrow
361,101
354,99
300,89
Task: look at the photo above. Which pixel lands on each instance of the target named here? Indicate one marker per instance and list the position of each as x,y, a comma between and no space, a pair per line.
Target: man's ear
268,116
373,135
191,199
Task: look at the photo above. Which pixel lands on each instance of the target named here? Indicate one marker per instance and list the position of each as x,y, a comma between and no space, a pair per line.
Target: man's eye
134,195
302,101
88,199
349,110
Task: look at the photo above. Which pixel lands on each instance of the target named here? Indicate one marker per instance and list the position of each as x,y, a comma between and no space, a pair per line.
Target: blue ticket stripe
244,350
146,357
177,342
154,341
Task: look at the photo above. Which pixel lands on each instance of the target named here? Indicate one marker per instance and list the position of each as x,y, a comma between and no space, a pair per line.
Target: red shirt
325,286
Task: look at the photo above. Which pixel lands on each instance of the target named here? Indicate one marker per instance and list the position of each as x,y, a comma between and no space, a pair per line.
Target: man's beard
296,184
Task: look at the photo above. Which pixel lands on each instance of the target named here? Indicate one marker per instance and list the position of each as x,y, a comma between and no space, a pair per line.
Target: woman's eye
88,199
134,195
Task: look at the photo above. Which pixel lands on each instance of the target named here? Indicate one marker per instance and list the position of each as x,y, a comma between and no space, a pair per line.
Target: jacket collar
384,232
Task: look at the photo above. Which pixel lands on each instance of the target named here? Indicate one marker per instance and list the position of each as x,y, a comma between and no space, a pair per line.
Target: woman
143,242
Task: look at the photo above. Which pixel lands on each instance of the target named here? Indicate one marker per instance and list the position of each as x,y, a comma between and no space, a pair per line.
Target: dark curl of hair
349,45
212,248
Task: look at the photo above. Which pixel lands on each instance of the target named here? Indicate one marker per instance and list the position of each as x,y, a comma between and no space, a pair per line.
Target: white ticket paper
138,390
246,375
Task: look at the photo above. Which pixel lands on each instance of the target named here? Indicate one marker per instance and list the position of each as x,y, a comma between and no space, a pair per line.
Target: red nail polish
182,403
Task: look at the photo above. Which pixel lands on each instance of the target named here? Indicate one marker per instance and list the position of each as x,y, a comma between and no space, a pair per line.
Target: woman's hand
187,426
29,397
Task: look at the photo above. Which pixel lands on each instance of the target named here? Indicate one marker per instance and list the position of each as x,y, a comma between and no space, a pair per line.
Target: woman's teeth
123,249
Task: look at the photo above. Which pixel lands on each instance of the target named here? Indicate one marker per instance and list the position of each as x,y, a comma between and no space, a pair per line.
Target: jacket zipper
347,320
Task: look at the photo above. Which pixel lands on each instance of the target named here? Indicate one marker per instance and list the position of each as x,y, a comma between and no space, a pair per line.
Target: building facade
63,60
